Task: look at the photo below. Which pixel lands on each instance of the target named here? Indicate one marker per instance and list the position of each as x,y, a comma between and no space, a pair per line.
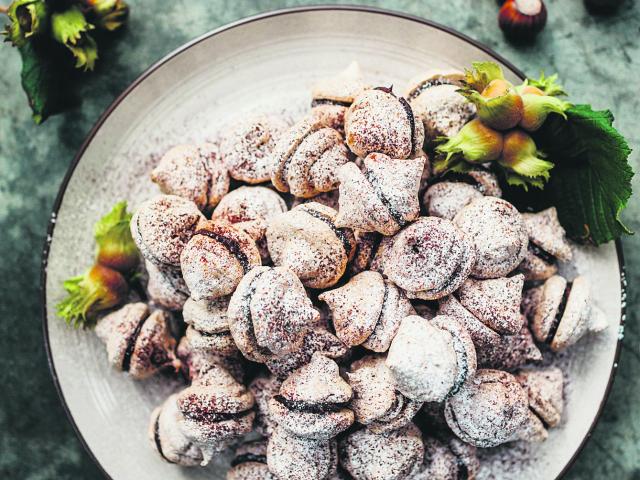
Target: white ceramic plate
264,63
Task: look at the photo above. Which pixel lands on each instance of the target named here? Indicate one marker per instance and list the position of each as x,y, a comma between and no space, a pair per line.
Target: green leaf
591,183
43,80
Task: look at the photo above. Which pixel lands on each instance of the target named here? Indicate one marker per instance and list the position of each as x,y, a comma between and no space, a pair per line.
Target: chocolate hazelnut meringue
367,311
499,233
162,226
489,410
383,197
251,209
544,387
307,158
495,302
547,245
198,359
449,459
138,341
269,313
512,351
332,96
376,401
167,438
246,148
295,458
446,198
429,259
166,287
250,463
379,121
215,409
317,340
264,388
195,172
307,241
216,258
395,455
312,401
431,359
435,99
564,313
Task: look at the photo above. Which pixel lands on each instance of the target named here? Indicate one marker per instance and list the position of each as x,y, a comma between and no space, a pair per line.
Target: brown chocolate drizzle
339,232
319,408
131,345
375,185
156,438
559,314
214,417
230,244
327,101
425,85
412,122
248,457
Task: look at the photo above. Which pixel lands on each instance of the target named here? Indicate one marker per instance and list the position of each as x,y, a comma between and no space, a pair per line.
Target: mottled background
598,58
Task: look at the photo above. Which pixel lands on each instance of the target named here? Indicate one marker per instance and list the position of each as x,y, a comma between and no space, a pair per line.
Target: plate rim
229,26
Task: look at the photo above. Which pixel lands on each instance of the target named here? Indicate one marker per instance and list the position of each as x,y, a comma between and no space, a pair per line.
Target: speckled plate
265,63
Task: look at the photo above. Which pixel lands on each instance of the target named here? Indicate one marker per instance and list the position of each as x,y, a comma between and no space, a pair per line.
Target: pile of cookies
365,319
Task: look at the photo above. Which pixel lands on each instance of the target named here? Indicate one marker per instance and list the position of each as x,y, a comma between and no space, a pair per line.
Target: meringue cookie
307,241
264,388
429,259
434,98
331,96
395,455
295,458
446,199
488,410
499,234
162,226
198,359
312,401
450,459
367,311
250,209
383,197
215,409
246,147
250,463
306,159
167,438
269,313
379,121
194,172
547,245
166,287
431,359
564,313
138,341
376,401
215,259
544,387
315,340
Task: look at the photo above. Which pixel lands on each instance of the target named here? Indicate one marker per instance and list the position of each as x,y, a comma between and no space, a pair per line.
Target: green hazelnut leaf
590,184
70,28
43,80
548,85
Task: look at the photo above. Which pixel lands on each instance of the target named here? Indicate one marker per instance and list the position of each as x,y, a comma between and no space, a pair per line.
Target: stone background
597,57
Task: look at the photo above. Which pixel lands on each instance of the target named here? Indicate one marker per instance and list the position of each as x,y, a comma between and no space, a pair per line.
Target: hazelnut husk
522,20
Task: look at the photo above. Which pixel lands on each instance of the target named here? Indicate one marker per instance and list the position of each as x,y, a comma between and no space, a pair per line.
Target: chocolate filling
156,439
214,334
542,254
385,297
425,85
559,314
463,469
131,345
318,408
375,185
339,232
214,417
283,165
248,457
327,101
462,362
230,244
412,122
544,423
